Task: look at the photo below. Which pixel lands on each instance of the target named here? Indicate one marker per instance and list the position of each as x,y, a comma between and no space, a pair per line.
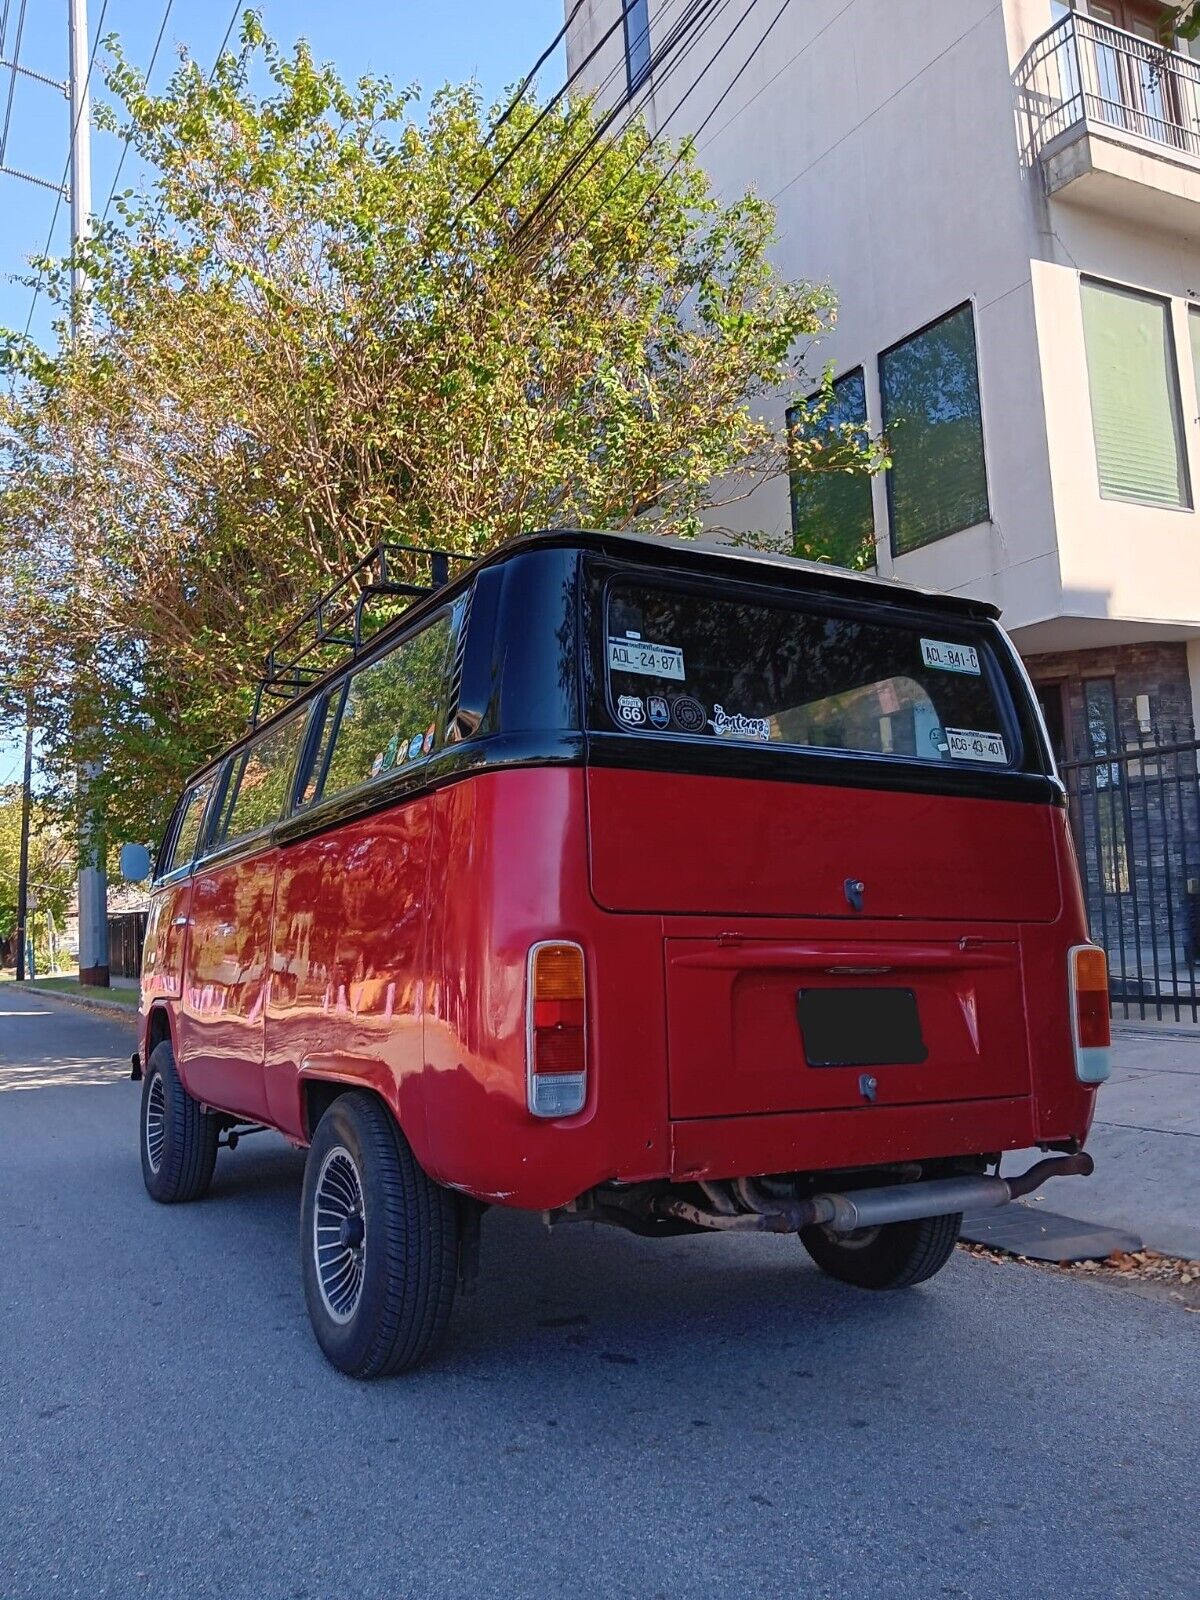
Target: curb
104,1008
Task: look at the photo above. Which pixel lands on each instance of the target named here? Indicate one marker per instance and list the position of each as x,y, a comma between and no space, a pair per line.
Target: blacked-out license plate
860,1027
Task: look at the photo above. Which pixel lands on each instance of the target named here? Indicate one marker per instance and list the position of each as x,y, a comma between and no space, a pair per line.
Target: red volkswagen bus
628,880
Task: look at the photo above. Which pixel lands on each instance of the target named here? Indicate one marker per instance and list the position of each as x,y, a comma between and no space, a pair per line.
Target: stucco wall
889,139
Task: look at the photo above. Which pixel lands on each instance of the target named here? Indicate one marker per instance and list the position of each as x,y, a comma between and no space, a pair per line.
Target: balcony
1113,122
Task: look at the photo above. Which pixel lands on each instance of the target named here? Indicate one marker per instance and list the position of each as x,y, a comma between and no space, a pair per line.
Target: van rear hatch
843,813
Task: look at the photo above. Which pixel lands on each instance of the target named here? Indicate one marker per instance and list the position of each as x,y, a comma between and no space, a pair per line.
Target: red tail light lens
1089,999
557,1038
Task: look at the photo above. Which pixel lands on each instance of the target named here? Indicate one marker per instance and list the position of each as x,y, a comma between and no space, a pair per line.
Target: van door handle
181,922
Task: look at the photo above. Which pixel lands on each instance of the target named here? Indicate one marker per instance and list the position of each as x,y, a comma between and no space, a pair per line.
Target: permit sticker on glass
946,657
969,744
652,660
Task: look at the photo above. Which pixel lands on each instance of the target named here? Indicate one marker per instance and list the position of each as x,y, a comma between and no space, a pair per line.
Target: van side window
259,784
392,711
188,829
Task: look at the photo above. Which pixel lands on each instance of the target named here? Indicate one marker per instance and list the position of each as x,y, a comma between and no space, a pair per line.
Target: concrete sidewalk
1146,1141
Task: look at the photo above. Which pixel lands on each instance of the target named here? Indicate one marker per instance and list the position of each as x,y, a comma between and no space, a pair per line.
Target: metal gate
1135,815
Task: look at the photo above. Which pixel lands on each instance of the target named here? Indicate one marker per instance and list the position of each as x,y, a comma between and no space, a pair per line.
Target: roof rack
330,632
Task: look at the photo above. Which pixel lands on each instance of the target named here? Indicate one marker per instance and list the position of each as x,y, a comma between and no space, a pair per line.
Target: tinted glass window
258,789
392,712
832,519
931,417
746,671
188,830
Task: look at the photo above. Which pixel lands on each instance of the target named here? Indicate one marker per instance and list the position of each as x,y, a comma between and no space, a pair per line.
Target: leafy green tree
51,867
334,318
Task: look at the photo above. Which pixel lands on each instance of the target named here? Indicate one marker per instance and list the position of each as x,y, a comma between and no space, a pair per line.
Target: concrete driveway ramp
1024,1230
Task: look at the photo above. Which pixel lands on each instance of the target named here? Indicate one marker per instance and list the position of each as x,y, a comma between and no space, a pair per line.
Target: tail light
556,1042
1090,1012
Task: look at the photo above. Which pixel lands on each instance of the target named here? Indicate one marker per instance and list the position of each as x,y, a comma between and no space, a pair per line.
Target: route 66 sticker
631,710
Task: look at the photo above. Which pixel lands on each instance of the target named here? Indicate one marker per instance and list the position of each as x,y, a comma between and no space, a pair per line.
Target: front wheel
178,1137
379,1243
894,1256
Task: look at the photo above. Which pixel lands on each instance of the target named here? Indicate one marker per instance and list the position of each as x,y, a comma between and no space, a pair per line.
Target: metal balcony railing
1085,71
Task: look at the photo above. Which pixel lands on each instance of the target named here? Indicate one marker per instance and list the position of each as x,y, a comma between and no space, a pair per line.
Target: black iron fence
1135,814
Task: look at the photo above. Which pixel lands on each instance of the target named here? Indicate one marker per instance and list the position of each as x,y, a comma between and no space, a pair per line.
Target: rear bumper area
730,1147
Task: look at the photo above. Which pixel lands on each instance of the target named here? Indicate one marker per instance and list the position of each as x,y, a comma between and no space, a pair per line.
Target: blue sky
427,41
493,40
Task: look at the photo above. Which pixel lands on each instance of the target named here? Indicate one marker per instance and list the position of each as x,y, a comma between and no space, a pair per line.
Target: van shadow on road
610,1416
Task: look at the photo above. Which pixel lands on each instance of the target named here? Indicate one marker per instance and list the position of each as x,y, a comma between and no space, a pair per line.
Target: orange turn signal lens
1089,997
556,1046
558,972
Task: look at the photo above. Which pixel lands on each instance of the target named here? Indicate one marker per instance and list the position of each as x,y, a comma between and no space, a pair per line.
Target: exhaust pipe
874,1208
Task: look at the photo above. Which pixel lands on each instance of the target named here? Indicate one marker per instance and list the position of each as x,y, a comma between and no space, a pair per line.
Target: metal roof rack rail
330,632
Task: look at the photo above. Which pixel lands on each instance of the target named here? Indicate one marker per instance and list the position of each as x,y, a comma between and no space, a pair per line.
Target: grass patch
68,985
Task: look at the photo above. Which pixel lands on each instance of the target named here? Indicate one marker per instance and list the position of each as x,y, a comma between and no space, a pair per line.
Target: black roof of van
732,561
667,550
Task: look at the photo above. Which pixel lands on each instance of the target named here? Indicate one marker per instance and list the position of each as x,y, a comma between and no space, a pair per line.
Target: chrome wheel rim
156,1122
339,1234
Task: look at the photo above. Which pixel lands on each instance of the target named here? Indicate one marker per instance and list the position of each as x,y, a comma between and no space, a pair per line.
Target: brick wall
1159,670
1136,820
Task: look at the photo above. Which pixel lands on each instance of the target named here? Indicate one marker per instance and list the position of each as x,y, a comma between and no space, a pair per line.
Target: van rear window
684,662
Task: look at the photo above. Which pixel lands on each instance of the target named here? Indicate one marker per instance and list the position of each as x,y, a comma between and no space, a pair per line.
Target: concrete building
1005,195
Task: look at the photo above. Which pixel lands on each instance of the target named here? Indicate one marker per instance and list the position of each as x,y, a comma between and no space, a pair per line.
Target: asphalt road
611,1417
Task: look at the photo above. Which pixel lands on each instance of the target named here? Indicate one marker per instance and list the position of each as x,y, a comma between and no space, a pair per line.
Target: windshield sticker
392,751
688,715
632,654
735,726
414,746
969,744
630,710
945,657
658,710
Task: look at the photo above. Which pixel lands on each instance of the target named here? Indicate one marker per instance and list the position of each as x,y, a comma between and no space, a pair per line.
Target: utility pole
93,884
23,864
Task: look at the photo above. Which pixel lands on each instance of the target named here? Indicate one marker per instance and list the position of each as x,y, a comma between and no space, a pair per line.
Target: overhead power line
665,121
12,82
41,277
74,131
554,100
527,81
162,28
690,29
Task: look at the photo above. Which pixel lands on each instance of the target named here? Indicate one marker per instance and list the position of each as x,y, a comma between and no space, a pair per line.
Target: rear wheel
894,1256
379,1242
178,1138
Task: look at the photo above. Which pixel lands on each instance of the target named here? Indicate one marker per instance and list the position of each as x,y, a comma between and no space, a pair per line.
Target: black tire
895,1256
379,1303
178,1139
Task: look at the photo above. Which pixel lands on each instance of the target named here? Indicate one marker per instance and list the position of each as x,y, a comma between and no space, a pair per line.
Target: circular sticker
414,746
688,715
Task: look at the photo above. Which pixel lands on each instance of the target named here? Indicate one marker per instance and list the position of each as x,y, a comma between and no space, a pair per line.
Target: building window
937,482
1134,389
832,518
637,42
